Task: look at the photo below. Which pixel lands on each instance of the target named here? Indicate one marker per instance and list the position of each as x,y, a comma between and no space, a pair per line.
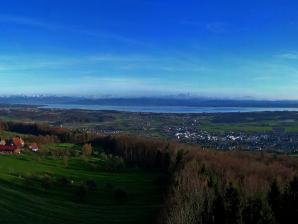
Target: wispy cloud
37,61
288,55
217,27
26,21
87,85
261,78
214,27
22,21
122,63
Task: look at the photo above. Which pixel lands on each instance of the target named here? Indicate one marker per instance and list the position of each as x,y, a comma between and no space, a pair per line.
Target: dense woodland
204,186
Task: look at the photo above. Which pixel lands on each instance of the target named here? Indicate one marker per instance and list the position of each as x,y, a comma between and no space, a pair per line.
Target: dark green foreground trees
233,188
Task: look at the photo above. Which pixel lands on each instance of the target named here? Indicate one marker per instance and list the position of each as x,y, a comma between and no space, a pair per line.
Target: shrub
108,186
63,181
81,193
103,156
114,163
120,194
91,184
46,182
162,180
30,180
87,149
65,161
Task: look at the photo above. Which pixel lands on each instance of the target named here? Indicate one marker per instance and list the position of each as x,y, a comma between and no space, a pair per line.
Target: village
15,145
275,140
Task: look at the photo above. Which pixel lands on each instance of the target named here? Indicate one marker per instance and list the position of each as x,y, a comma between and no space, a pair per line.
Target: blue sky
229,49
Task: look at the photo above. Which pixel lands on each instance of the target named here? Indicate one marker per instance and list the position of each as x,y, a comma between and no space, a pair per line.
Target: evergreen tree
232,205
290,202
219,209
257,211
275,201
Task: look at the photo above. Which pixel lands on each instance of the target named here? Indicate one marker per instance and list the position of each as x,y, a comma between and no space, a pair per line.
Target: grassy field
32,191
294,154
60,146
246,127
9,134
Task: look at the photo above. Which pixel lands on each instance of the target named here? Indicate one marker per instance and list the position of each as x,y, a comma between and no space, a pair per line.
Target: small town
233,140
276,140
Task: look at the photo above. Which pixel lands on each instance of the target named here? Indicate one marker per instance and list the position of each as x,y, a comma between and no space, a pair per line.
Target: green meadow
42,189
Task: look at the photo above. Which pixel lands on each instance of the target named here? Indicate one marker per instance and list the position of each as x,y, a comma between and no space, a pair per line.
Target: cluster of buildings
14,145
269,140
11,145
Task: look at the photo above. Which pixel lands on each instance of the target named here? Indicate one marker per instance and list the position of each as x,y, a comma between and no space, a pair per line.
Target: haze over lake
168,109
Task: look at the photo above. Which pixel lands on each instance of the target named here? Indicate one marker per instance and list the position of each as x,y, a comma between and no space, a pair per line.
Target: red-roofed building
8,148
12,145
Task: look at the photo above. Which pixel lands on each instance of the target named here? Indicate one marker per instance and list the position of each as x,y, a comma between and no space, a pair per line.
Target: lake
168,109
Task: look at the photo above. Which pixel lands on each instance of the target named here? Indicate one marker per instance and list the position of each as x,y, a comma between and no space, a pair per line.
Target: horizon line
169,96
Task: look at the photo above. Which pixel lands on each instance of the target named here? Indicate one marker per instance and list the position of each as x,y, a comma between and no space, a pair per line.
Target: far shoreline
168,109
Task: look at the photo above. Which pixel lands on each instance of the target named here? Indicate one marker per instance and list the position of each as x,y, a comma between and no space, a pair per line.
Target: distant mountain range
146,101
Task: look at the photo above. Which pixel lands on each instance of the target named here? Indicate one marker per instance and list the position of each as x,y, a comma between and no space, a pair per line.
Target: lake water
168,109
